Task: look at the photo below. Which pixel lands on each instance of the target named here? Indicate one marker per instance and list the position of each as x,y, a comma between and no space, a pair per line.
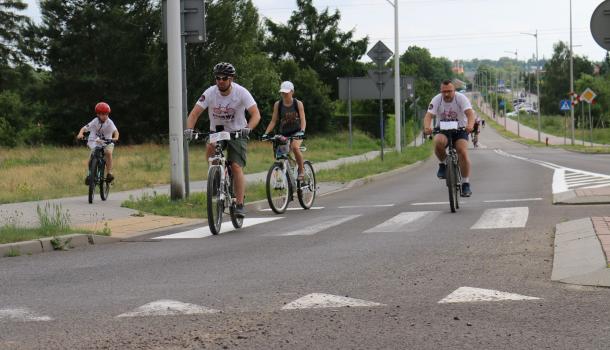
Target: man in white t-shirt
451,106
227,103
101,127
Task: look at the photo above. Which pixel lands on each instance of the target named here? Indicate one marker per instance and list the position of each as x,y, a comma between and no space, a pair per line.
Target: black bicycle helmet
224,68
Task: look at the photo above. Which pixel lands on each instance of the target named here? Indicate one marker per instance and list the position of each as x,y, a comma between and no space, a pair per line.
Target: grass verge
195,206
53,222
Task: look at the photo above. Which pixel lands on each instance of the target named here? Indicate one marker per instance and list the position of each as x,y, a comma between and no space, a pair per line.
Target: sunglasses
447,91
222,78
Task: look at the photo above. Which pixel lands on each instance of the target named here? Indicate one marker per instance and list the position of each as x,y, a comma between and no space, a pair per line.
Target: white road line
502,218
22,315
168,308
397,223
202,232
512,200
597,186
321,300
292,209
431,203
469,295
559,181
322,223
366,206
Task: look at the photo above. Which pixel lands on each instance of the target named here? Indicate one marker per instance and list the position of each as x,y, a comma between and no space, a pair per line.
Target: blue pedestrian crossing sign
564,105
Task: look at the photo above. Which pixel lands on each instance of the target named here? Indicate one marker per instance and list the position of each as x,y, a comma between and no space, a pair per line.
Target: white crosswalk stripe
322,223
502,218
202,232
402,221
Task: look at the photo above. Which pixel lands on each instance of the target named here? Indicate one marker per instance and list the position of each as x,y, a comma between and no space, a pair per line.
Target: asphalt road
413,274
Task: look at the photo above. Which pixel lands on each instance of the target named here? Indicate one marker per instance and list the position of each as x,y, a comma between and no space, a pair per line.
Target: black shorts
457,135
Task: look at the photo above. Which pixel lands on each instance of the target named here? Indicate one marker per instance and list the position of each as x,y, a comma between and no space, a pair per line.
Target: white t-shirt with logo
450,111
228,111
97,129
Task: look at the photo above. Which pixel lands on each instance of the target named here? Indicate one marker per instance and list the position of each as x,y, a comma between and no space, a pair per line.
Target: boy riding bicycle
100,128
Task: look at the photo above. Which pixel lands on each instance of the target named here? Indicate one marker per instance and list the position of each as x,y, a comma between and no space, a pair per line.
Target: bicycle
282,177
475,139
453,176
220,192
97,166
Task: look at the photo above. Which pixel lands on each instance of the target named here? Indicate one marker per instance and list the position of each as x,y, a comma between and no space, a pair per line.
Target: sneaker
441,171
240,211
87,180
466,192
109,178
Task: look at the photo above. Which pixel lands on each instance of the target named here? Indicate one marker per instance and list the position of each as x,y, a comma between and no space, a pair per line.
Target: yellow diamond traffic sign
588,95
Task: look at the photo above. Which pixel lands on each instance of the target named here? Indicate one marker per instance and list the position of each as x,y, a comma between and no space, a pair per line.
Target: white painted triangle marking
321,300
396,223
322,224
22,315
204,231
470,295
502,218
168,308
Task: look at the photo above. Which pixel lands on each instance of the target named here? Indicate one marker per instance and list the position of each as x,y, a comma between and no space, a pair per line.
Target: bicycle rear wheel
92,179
277,188
104,186
214,200
306,189
451,183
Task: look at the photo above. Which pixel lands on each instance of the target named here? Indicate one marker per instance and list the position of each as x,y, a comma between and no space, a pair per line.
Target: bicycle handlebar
283,138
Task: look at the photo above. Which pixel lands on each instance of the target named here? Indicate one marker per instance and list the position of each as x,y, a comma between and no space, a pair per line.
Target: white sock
465,180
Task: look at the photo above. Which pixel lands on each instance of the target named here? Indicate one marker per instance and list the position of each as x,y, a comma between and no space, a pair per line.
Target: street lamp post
571,77
397,100
535,35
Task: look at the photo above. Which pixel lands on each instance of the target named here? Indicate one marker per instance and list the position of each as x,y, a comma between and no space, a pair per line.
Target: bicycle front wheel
104,186
278,188
92,179
307,188
215,201
451,183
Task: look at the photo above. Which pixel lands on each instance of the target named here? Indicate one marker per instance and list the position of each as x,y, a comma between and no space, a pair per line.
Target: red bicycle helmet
102,108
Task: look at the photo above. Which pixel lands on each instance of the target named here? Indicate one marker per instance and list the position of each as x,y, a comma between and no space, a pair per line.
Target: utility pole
571,77
397,100
535,35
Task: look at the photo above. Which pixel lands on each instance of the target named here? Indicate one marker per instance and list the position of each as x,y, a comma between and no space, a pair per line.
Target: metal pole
174,87
349,108
590,126
571,77
538,86
582,121
187,187
397,120
380,85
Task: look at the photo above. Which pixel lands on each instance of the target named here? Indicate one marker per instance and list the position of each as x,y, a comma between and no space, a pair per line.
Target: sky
455,29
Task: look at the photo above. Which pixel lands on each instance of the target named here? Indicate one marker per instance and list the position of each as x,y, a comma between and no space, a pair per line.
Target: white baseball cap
286,87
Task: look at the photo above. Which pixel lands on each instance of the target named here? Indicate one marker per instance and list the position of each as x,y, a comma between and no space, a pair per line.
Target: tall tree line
85,51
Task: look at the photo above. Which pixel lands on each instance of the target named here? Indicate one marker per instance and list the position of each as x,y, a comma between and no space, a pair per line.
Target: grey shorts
237,151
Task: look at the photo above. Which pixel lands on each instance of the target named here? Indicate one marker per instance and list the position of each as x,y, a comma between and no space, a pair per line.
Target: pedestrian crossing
408,221
566,179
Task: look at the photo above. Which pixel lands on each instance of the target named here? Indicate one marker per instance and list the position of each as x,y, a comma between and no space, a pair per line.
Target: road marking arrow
168,308
22,315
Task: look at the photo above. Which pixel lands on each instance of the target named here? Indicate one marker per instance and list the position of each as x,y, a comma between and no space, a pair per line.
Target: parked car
511,114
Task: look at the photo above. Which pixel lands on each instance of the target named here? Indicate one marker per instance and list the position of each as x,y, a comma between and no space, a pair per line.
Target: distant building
457,68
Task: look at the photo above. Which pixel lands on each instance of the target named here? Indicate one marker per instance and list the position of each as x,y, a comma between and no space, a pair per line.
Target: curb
571,197
579,258
49,244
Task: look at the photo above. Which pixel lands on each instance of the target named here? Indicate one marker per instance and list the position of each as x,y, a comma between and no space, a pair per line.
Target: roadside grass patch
195,206
391,161
53,222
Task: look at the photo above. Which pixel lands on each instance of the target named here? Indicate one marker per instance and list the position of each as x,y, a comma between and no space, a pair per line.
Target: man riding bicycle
450,105
226,103
100,128
291,115
476,130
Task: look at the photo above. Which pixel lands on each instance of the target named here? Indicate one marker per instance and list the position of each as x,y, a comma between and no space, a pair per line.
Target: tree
313,40
556,78
11,25
104,50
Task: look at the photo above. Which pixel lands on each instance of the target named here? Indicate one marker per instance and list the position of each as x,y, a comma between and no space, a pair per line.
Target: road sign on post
588,95
600,25
380,54
564,105
192,21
